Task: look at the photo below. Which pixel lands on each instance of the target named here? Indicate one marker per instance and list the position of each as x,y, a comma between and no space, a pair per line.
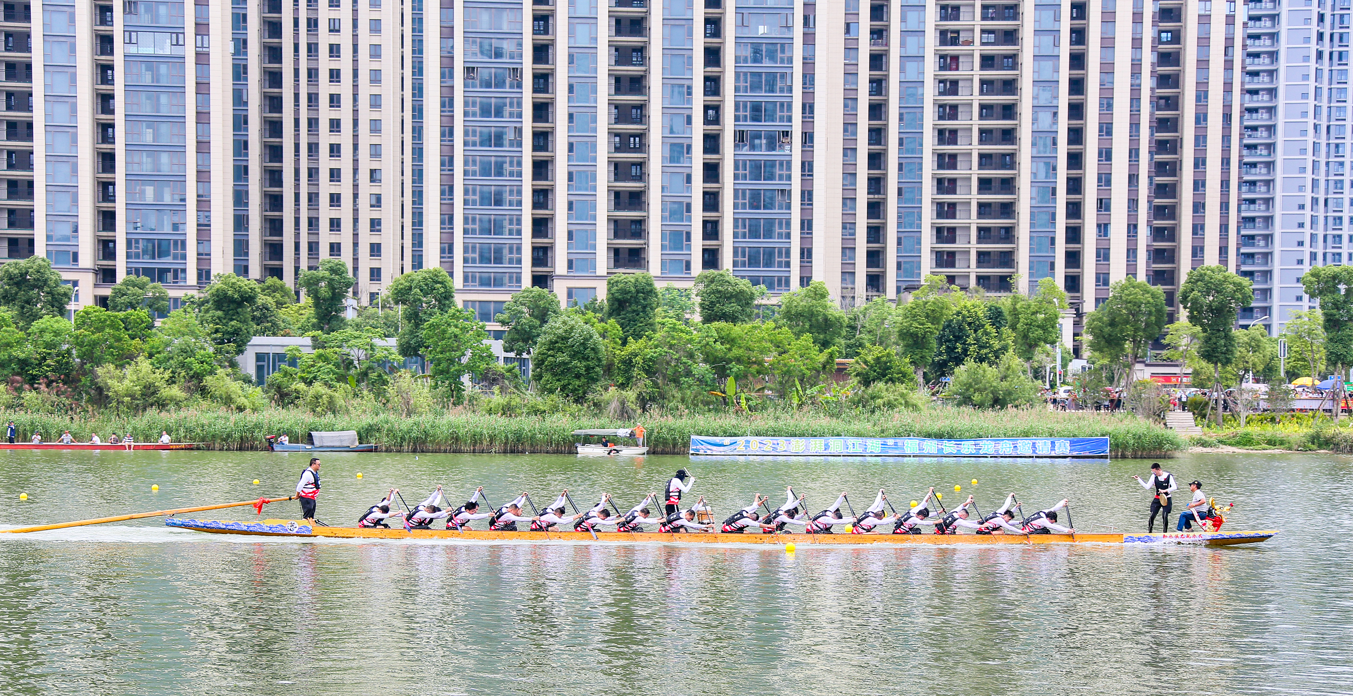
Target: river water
136,608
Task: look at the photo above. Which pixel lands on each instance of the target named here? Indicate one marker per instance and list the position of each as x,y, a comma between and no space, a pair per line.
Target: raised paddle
569,498
259,503
1069,523
807,516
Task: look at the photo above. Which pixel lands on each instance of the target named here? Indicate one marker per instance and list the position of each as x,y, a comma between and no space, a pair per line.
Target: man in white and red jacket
307,489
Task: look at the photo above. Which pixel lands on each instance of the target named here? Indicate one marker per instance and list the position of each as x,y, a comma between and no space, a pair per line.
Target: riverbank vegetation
464,430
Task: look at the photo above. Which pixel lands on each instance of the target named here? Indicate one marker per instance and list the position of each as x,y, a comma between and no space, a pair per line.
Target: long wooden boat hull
295,528
323,448
101,446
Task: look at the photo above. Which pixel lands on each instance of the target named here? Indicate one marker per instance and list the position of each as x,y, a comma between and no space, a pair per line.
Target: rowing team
698,518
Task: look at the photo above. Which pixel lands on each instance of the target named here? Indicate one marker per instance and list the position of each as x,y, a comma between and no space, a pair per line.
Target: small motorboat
322,441
607,447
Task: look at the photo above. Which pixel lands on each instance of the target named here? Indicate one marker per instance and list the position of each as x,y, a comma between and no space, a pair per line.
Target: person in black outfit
1162,484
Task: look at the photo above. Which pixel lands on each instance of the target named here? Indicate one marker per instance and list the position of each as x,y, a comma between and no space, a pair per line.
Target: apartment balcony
954,37
999,13
954,63
17,42
628,259
953,187
956,13
15,13
953,137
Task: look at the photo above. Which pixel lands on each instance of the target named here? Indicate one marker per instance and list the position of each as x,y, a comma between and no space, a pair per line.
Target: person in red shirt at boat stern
307,489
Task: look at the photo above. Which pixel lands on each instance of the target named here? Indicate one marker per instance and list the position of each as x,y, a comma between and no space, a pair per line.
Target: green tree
525,314
1035,322
139,387
973,333
30,289
871,324
1182,339
675,302
724,297
880,365
327,289
138,292
1256,352
568,359
100,338
456,347
632,301
981,385
1305,334
356,356
811,311
739,351
1213,296
420,296
182,347
1332,286
279,292
48,354
920,321
1127,322
228,312
13,347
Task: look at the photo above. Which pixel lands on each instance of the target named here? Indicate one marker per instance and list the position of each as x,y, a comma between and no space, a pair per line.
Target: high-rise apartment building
1295,179
556,142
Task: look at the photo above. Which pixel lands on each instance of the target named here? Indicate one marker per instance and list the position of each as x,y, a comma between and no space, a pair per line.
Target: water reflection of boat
606,448
295,528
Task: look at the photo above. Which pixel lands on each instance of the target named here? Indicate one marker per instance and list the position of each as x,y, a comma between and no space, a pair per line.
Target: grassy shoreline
464,431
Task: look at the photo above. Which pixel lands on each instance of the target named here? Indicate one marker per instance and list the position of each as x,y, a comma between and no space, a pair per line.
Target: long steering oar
139,515
1071,524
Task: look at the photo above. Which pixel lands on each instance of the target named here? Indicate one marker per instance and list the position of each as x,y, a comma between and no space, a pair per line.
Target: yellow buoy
974,482
359,474
789,548
939,496
255,482
850,528
913,503
23,496
154,487
957,488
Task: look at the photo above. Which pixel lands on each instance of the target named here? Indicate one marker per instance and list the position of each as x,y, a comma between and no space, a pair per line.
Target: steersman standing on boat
675,488
307,490
1163,484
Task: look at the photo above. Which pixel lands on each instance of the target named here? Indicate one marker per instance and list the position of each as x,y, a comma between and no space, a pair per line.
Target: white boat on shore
607,446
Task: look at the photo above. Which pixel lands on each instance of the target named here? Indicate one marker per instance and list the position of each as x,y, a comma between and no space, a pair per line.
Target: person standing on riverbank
1163,484
307,490
11,432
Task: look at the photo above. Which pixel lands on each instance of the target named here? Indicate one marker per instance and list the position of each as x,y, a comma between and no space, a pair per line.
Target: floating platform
295,528
1040,447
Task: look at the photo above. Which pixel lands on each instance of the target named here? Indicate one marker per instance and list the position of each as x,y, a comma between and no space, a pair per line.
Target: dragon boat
302,529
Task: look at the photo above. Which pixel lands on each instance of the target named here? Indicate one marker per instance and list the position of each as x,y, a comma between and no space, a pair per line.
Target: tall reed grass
467,431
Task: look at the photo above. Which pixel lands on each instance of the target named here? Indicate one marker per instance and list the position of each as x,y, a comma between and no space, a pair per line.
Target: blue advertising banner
900,447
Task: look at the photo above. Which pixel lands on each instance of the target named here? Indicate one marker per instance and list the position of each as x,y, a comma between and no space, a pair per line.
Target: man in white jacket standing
1162,484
